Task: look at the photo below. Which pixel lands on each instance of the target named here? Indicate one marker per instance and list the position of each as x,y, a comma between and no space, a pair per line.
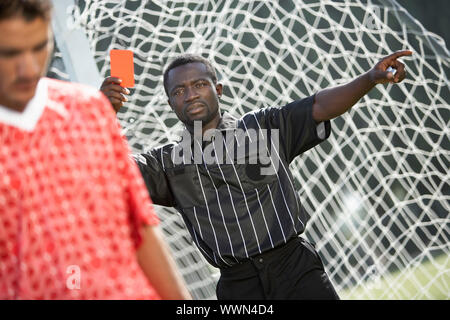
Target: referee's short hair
189,58
28,9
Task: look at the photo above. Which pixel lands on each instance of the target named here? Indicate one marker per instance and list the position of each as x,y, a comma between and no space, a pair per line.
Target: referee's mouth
195,108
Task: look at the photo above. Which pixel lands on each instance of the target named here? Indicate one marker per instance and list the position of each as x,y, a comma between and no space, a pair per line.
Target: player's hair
28,9
189,58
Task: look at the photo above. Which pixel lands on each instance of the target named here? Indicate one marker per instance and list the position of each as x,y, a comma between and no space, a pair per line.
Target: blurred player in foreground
76,221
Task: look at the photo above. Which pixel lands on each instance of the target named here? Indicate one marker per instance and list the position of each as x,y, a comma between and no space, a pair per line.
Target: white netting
378,190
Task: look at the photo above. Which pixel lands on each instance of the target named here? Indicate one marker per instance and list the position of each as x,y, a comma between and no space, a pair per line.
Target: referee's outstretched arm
332,102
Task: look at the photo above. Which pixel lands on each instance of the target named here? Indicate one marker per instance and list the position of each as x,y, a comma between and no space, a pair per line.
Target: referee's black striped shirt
232,207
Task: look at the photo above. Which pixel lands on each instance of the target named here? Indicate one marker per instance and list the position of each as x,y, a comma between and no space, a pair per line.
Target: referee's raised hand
381,73
114,92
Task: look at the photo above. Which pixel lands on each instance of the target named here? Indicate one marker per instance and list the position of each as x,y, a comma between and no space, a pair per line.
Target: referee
230,180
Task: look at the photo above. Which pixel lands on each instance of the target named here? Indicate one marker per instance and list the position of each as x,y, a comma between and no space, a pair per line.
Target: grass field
430,280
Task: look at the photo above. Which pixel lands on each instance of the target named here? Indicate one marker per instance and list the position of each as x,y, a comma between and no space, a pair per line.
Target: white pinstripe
276,213
218,201
234,209
279,183
198,223
278,178
196,240
264,218
209,216
245,200
162,159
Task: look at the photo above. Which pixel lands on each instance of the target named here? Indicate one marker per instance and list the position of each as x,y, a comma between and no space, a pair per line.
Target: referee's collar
226,122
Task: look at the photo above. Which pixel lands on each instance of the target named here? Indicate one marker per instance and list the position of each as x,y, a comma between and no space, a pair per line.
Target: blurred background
429,14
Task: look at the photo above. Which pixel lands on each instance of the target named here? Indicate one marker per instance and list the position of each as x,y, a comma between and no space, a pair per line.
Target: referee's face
25,48
193,95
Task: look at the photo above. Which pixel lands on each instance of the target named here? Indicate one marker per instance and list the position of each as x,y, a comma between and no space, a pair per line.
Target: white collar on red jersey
29,117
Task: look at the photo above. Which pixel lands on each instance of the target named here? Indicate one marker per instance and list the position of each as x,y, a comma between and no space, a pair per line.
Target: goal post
377,191
73,46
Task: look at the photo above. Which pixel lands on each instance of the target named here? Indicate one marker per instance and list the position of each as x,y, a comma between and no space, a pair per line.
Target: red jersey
72,201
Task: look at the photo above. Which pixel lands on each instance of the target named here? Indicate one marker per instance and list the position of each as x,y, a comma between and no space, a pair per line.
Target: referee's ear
219,89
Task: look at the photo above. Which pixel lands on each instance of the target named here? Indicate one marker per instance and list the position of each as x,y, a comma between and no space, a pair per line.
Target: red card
122,66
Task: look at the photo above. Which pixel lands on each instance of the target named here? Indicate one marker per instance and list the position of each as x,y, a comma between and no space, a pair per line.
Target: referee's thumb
383,76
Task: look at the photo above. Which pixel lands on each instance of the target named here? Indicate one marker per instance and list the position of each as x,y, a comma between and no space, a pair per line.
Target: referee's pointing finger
399,54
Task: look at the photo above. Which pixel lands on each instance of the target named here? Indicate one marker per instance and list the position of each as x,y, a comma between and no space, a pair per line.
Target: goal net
377,190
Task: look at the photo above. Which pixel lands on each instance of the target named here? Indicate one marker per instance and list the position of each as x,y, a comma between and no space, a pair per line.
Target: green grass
430,280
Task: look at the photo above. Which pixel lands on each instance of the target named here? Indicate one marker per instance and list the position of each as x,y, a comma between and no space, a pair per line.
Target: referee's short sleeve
299,131
155,178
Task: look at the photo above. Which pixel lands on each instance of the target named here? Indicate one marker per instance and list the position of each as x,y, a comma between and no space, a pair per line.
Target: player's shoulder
77,98
64,90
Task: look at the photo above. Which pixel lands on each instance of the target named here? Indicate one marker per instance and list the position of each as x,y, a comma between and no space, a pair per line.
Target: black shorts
291,271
